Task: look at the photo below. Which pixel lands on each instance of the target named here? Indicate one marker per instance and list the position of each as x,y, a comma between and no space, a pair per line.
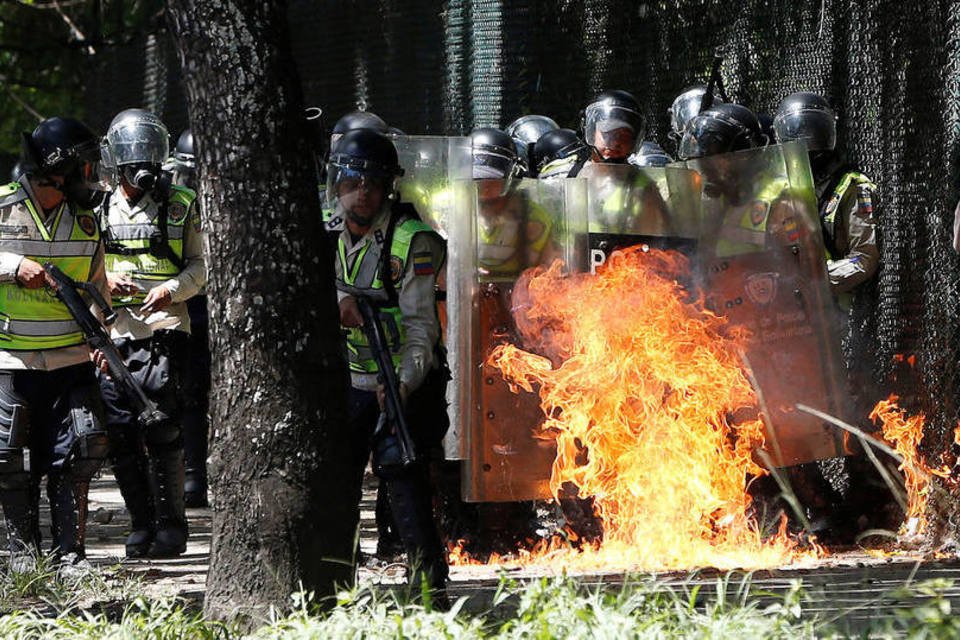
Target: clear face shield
685,108
358,192
493,166
135,142
612,130
816,127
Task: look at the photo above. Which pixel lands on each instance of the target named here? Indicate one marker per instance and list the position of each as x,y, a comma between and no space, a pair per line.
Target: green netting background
892,69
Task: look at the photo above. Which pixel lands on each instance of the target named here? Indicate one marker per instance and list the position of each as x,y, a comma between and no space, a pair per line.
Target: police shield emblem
178,211
396,268
87,224
761,288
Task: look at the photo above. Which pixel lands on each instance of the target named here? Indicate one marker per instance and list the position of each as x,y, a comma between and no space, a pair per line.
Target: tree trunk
282,519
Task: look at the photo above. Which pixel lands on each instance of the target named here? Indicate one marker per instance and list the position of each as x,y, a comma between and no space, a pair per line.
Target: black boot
130,470
68,514
23,526
171,538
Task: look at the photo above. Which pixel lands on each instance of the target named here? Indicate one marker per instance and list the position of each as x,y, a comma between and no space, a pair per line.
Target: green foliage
52,587
548,608
48,51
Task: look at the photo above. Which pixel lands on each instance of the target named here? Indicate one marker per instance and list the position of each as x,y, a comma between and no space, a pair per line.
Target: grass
730,607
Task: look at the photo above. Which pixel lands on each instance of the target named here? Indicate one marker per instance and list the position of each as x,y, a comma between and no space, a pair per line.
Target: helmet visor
608,118
816,127
138,143
685,108
491,163
344,180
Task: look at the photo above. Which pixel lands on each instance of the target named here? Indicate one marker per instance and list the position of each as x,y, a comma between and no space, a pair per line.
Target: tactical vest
364,277
141,243
35,319
749,234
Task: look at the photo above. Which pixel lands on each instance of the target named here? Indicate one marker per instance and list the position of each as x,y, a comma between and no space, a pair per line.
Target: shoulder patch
177,211
87,224
423,263
396,269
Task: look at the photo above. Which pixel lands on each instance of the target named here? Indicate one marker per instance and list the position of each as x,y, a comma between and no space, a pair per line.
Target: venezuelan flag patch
422,264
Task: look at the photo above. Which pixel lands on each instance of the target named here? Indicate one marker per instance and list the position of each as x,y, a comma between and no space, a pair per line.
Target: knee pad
14,415
90,444
14,469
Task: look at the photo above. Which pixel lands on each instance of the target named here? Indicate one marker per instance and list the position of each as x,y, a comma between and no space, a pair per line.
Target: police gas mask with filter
135,147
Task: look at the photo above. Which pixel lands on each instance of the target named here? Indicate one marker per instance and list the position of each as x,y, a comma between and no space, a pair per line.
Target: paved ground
854,582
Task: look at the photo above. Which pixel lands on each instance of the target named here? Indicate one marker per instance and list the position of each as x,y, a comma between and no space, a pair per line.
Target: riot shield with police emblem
762,265
654,206
516,225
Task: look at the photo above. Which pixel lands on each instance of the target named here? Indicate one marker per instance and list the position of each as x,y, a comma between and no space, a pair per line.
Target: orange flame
904,433
652,414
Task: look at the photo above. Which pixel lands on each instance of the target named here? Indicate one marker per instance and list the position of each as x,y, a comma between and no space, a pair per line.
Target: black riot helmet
362,158
66,147
183,152
608,116
557,144
650,154
808,117
21,169
525,132
357,120
723,128
494,155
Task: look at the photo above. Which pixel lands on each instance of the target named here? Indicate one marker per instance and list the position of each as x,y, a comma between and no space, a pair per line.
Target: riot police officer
845,196
525,132
195,381
560,154
387,255
154,265
182,165
51,416
613,125
845,201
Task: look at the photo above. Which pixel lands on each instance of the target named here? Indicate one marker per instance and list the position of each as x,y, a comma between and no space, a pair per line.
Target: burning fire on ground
651,412
646,397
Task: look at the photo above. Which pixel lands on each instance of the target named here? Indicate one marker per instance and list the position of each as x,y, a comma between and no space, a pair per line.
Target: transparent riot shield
431,164
436,180
516,225
762,264
627,205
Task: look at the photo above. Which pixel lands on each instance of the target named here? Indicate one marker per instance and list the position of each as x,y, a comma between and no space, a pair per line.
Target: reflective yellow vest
364,278
131,243
35,319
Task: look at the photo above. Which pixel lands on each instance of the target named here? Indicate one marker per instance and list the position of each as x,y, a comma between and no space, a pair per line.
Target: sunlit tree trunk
282,519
